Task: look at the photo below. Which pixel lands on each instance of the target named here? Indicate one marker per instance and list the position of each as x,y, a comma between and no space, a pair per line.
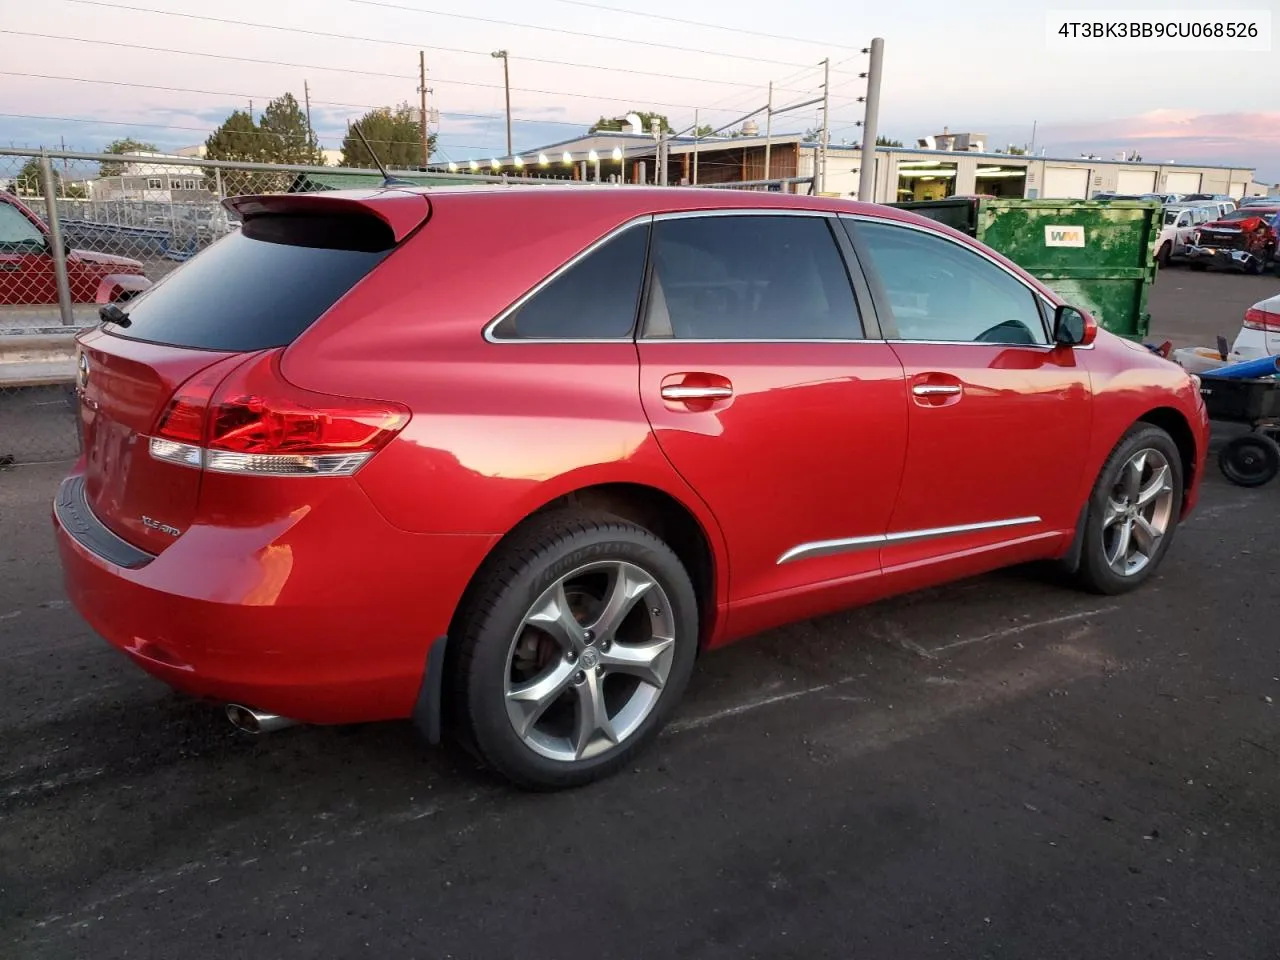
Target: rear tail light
1255,319
242,416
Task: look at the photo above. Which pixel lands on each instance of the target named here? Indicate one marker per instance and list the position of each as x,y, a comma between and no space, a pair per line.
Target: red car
506,461
26,264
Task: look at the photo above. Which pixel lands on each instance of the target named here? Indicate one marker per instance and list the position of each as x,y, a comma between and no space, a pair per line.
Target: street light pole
506,86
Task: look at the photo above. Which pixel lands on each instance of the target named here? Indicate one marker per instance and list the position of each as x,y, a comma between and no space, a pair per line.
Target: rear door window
746,277
261,286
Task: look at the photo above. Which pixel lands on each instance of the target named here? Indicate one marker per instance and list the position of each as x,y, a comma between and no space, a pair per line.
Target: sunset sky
980,66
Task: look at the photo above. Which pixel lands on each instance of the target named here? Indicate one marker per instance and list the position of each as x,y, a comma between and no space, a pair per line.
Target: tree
615,124
704,131
811,135
285,135
126,145
394,134
237,138
1016,151
28,182
883,141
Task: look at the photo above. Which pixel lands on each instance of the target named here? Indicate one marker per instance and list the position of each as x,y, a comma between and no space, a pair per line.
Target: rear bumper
1223,257
324,618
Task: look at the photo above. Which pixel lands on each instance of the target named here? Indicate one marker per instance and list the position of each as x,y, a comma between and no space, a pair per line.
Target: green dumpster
1095,254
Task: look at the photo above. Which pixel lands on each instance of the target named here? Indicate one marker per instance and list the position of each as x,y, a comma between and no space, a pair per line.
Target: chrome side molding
826,548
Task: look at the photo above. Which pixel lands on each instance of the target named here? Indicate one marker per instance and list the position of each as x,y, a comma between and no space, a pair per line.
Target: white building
153,181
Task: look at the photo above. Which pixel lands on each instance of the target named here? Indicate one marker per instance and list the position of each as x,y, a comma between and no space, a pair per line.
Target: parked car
1179,223
1259,335
27,271
1243,240
506,461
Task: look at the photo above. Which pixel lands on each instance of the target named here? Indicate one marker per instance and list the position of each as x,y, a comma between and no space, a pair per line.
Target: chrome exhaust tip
248,720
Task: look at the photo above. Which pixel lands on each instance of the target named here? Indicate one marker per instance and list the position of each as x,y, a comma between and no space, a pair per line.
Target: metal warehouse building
901,173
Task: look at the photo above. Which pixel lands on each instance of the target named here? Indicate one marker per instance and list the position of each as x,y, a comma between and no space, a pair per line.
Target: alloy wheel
589,661
1138,512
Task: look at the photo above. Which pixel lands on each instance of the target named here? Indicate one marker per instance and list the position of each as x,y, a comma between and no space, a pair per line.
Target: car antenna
387,179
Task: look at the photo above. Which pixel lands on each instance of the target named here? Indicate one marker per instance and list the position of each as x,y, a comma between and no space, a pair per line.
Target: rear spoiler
402,211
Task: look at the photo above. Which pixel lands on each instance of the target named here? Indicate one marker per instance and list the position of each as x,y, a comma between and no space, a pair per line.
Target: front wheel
575,650
1133,511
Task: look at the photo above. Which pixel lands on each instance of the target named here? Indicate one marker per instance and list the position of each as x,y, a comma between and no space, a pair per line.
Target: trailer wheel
1251,460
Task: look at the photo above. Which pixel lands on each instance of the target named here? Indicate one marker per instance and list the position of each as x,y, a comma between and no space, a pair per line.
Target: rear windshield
261,286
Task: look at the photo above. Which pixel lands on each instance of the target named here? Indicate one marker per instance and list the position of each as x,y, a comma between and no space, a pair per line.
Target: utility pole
422,107
820,174
870,123
506,86
306,98
696,138
768,131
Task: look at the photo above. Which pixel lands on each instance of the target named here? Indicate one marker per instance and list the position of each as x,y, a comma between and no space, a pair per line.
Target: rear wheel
1166,251
1133,511
579,642
1251,460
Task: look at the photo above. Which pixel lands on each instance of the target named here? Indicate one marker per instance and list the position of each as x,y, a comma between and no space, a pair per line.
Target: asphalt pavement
1002,768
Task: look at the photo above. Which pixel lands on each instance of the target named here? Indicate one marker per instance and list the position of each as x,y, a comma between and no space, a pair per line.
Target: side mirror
1073,327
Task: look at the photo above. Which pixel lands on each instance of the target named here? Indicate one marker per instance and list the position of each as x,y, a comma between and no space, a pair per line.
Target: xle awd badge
162,527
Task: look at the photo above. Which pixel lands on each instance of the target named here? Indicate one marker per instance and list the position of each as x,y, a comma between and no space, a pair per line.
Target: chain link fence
80,231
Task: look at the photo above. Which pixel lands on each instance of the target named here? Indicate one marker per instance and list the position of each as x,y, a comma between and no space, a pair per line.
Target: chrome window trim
551,278
827,548
1036,294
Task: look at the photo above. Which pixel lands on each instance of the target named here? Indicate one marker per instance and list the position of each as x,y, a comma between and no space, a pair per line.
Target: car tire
1133,512
527,682
1163,257
1252,460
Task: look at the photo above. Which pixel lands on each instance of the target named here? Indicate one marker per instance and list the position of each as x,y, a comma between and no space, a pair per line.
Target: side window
749,278
940,291
594,299
16,229
1184,219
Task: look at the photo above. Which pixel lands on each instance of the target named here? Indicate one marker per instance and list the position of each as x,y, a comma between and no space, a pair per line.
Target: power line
261,96
346,69
398,43
350,70
174,126
700,23
571,33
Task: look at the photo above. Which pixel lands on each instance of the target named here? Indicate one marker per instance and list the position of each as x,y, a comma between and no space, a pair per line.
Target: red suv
507,460
26,264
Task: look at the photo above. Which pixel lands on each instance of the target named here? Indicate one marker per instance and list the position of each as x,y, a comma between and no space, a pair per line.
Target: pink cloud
1245,139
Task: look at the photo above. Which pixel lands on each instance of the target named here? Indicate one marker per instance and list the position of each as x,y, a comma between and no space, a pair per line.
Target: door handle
936,389
680,391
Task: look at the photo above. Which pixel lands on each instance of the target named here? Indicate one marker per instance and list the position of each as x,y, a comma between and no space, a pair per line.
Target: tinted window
16,229
261,286
940,291
594,299
749,278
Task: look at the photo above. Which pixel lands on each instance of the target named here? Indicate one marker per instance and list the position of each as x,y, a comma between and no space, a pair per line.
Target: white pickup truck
1179,223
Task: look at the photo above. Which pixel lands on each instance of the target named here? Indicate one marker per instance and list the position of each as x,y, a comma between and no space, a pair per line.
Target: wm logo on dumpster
1059,236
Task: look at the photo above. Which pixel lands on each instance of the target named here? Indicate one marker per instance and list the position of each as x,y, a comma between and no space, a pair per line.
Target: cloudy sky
111,69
